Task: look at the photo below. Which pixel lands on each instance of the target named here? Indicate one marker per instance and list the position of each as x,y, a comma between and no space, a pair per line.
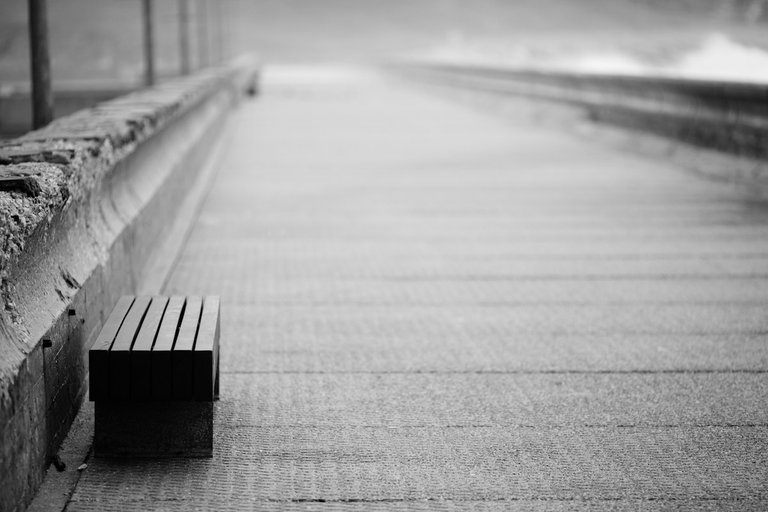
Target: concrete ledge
90,209
723,117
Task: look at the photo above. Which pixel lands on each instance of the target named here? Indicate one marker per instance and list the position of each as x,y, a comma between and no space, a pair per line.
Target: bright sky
717,58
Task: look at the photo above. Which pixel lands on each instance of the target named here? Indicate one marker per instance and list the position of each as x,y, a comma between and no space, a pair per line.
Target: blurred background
97,44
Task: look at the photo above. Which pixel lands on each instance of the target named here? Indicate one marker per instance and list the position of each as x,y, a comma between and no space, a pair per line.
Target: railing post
215,34
225,27
149,47
40,64
184,37
202,33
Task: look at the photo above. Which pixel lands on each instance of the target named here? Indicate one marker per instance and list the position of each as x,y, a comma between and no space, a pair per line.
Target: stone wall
90,208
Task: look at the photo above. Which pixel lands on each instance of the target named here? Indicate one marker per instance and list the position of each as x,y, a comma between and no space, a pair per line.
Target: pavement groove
429,308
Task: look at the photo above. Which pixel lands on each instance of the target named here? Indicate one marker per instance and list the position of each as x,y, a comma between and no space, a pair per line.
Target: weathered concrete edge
84,203
715,132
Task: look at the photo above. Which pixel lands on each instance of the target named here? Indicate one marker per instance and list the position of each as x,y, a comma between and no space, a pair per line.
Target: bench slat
206,350
98,356
162,381
158,349
186,339
182,355
141,353
120,353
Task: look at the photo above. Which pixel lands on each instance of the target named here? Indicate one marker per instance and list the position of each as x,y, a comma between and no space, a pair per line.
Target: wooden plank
183,350
207,350
98,356
189,324
120,353
141,353
216,381
162,380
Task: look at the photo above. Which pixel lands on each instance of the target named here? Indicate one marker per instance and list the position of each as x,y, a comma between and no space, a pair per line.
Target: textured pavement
427,307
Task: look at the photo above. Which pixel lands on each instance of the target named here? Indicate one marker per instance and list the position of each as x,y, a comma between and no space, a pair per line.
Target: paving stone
468,400
399,349
322,505
456,464
363,262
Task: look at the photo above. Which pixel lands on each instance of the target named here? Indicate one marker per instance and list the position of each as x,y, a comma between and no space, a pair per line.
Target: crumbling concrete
86,205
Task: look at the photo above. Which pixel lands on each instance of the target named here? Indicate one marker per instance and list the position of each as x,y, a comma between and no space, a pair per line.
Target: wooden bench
154,374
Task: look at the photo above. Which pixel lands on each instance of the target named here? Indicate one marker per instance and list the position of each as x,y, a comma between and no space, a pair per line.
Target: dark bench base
154,429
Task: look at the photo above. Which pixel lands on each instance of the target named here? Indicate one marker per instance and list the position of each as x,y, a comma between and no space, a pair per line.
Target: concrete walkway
427,307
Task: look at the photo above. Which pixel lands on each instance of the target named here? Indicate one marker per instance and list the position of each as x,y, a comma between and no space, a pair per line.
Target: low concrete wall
721,116
90,209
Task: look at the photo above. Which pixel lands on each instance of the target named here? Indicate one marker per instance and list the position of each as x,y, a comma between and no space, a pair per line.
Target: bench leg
154,429
216,381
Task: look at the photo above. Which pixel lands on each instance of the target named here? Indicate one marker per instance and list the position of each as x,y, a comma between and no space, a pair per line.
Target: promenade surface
429,307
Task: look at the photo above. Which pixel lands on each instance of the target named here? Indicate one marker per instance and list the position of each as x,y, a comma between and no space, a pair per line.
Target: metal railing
206,15
725,116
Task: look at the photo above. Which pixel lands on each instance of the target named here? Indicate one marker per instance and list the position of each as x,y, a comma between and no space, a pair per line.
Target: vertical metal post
202,33
219,6
184,37
223,15
149,46
40,64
